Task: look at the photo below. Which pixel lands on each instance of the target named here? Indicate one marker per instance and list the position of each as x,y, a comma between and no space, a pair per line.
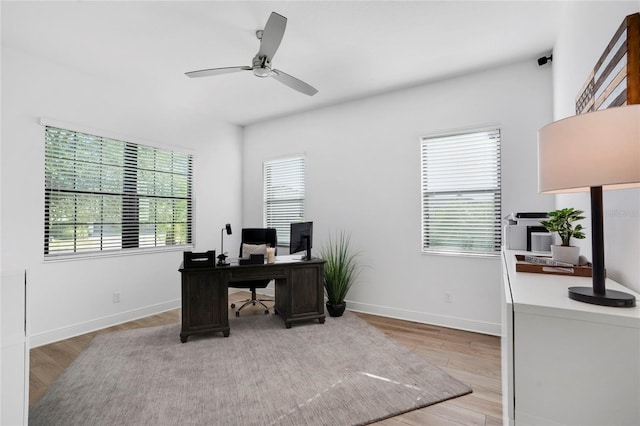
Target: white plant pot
567,254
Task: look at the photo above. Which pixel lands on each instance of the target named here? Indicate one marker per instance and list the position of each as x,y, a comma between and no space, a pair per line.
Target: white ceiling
347,50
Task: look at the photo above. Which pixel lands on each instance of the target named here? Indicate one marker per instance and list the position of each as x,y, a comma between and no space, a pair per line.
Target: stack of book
546,265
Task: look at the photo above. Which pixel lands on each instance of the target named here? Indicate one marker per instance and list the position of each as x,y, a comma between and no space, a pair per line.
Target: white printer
519,228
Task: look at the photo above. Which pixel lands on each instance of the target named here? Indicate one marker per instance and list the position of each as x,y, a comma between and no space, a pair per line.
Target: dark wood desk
205,296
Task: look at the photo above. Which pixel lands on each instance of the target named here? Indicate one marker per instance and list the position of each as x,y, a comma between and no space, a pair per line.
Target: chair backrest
267,236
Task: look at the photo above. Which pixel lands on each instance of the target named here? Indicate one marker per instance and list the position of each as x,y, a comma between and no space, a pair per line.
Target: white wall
589,26
72,297
363,176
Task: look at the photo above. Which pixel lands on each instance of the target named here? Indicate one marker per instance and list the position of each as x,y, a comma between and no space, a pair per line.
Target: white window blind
284,192
103,194
461,200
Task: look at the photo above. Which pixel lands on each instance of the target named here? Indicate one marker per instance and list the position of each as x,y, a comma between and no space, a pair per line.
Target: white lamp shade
600,148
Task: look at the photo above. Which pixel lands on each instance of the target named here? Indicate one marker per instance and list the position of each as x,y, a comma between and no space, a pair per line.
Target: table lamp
592,152
222,258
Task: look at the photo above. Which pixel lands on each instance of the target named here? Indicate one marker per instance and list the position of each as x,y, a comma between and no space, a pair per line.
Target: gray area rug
343,372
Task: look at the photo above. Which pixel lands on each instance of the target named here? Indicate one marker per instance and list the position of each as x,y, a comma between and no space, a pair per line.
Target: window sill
120,253
460,254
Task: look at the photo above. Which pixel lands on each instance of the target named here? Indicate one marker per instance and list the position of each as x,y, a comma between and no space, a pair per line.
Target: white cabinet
566,362
14,352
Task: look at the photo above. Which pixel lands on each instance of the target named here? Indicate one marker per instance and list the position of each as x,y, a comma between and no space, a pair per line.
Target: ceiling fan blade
272,35
294,83
216,71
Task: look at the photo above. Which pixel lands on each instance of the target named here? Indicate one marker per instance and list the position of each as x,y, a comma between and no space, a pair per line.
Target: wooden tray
576,271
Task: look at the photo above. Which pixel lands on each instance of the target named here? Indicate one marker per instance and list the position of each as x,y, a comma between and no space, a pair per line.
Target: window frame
493,192
180,196
282,226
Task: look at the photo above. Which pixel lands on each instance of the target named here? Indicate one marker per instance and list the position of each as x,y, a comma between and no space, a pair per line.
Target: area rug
342,372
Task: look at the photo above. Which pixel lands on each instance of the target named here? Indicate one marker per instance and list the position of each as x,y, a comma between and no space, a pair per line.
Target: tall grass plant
341,268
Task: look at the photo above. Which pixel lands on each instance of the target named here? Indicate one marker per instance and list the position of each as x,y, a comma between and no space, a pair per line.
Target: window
103,195
284,182
461,193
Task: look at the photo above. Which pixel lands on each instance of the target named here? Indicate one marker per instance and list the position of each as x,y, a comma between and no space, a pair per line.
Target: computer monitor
301,238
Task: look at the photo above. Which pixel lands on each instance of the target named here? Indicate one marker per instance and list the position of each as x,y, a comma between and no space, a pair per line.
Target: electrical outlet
116,297
448,297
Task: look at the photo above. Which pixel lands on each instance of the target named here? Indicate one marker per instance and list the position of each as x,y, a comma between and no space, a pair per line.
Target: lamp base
609,298
222,260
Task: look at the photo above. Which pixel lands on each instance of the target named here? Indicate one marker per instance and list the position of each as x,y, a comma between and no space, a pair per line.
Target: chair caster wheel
237,313
233,305
266,312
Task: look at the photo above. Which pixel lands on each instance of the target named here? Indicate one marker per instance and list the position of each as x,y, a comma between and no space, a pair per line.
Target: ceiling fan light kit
261,68
270,39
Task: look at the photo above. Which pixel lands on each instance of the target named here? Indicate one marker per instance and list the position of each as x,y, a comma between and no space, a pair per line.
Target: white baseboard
62,333
492,329
51,336
426,318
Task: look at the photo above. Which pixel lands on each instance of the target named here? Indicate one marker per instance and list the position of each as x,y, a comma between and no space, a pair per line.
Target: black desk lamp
222,258
592,152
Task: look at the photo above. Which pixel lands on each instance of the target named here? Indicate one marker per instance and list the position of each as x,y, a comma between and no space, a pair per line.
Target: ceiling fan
270,39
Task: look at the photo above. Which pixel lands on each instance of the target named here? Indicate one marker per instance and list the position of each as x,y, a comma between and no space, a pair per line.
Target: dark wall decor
615,80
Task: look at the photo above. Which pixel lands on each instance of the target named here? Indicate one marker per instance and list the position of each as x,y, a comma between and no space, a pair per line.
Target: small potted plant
340,272
561,221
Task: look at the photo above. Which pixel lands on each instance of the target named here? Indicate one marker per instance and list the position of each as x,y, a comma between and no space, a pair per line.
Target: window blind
284,195
461,193
103,194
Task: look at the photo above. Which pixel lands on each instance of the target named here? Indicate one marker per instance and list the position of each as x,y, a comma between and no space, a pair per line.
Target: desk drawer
258,273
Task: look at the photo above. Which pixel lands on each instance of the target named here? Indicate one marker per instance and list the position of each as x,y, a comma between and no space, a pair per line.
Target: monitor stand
307,243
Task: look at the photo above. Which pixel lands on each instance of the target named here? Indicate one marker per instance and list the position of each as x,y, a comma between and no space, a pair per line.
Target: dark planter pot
336,310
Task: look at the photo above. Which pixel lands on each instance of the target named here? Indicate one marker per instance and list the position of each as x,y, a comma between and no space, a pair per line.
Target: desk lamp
222,258
592,152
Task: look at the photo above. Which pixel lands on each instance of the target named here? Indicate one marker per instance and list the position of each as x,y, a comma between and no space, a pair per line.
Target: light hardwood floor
470,357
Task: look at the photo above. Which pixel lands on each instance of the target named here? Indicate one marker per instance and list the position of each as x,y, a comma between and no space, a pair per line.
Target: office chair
255,236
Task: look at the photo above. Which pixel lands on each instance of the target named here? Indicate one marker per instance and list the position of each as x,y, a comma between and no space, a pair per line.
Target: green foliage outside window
104,194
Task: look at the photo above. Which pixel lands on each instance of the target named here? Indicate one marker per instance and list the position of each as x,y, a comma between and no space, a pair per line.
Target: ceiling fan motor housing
261,66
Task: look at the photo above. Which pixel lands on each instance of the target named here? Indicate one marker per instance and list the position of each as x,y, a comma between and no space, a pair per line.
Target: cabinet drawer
261,273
